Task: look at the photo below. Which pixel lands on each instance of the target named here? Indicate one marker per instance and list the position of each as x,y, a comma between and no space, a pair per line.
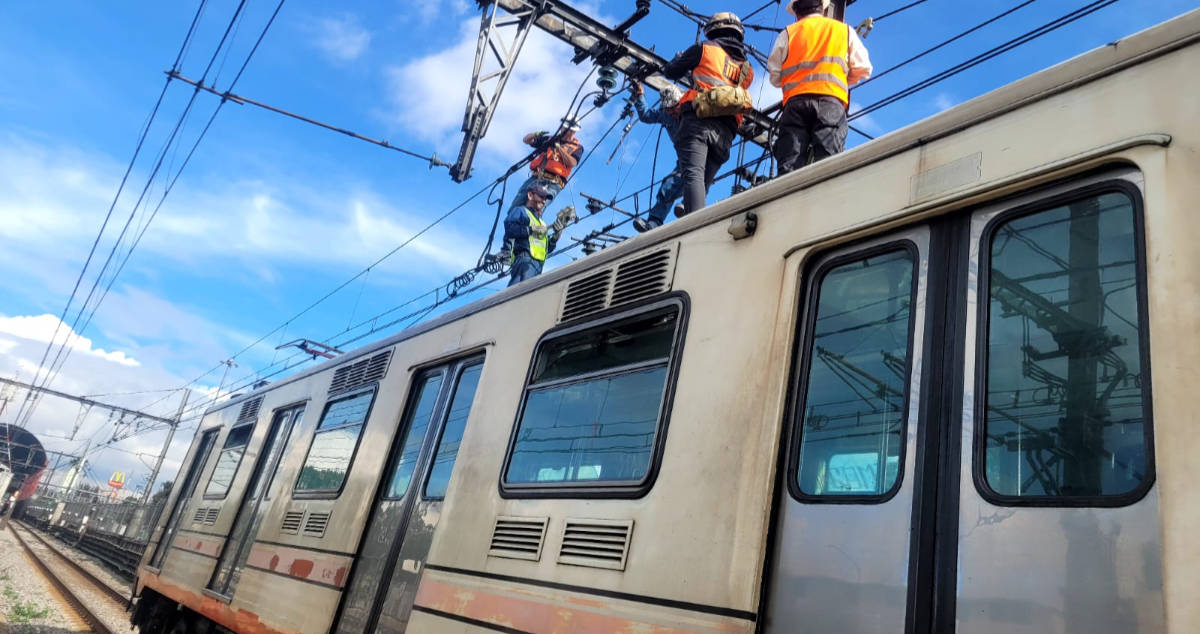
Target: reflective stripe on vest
551,160
537,246
717,69
817,59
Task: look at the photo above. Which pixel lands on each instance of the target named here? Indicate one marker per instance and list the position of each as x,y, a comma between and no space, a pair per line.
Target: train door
969,446
187,487
382,585
249,515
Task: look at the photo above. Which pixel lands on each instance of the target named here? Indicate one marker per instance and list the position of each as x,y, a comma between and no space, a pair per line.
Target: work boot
645,224
679,211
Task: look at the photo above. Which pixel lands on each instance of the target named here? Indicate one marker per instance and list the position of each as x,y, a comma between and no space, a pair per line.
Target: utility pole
166,445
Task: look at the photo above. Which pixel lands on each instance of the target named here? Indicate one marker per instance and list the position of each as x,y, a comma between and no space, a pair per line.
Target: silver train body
940,388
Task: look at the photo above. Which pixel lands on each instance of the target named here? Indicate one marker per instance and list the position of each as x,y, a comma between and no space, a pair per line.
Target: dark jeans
816,122
702,146
523,268
671,189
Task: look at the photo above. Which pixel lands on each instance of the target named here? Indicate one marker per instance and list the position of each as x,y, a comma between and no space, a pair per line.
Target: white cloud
43,191
430,10
430,107
341,38
944,101
42,328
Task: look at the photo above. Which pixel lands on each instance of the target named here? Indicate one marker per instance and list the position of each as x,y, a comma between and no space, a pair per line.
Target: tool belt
722,101
549,176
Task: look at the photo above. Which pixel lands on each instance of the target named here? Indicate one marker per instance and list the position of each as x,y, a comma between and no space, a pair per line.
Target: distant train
944,386
22,463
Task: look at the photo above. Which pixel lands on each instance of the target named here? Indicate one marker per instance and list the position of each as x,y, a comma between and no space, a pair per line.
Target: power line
238,99
56,365
63,353
985,56
943,44
108,215
895,11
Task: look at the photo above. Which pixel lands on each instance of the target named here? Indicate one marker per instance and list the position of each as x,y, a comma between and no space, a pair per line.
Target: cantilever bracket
495,56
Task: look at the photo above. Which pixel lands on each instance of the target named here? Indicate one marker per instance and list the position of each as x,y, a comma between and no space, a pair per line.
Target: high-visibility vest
716,68
552,159
537,246
818,59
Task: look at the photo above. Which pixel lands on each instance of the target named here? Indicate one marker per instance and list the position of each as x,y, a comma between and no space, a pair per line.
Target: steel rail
115,593
72,599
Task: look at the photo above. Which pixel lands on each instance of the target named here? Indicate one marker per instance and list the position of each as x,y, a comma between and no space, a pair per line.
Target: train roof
1134,49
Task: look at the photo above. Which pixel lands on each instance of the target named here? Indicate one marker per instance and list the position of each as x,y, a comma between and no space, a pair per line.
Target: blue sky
271,214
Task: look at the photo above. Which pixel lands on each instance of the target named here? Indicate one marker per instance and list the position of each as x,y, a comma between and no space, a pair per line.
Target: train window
297,416
420,415
1066,408
856,381
334,444
595,403
452,432
228,461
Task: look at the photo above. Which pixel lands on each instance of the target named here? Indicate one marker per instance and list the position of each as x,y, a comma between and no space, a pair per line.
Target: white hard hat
809,6
670,96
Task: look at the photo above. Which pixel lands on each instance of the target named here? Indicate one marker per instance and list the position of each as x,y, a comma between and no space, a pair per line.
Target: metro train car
937,385
24,461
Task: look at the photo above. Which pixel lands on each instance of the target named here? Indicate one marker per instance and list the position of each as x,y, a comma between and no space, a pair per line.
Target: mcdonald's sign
117,481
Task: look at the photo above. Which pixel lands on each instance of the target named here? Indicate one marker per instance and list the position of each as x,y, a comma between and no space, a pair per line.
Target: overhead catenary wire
65,350
1025,38
944,43
899,10
433,159
183,48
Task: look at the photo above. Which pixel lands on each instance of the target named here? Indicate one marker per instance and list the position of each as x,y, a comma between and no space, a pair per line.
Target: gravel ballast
28,604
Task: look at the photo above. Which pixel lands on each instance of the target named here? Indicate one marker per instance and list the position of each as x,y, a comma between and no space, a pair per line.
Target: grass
26,611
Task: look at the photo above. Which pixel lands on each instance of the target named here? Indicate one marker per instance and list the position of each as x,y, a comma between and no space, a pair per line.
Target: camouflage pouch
722,101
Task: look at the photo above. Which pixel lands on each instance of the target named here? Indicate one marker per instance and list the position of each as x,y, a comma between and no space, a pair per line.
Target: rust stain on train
241,621
542,616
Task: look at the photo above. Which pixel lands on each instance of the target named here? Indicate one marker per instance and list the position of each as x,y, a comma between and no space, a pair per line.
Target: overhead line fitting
433,160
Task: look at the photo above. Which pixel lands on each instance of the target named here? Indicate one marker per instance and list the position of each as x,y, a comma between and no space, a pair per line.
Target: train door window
290,435
452,432
228,461
596,402
1067,410
186,489
855,383
334,444
420,415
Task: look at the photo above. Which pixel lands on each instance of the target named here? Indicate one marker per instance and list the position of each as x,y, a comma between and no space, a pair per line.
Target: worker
551,167
711,110
527,238
815,60
667,115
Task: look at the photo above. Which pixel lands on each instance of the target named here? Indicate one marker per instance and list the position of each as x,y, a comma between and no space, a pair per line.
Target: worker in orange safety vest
815,60
702,142
551,167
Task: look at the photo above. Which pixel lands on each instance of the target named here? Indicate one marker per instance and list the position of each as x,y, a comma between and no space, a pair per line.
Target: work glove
537,139
635,88
566,216
538,231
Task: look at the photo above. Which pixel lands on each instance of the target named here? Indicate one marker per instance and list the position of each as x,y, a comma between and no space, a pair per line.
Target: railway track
89,597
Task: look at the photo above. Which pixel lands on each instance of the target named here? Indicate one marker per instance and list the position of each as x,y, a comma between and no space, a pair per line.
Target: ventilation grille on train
627,282
249,411
210,517
360,373
518,537
595,543
198,518
291,522
316,523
